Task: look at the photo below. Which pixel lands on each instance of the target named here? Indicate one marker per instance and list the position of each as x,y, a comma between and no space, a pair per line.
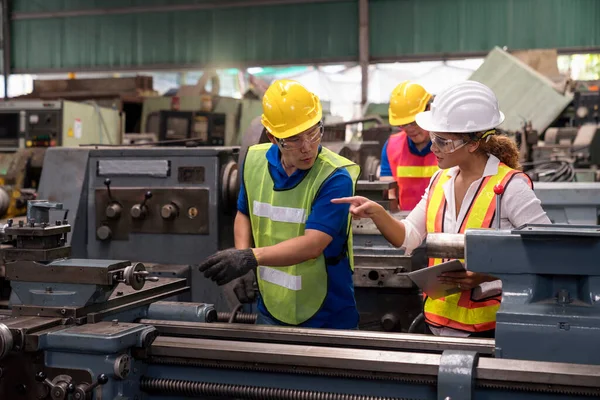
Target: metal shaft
446,245
498,201
209,389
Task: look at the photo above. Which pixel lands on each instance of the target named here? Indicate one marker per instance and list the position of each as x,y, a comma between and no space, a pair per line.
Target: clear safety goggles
447,145
297,141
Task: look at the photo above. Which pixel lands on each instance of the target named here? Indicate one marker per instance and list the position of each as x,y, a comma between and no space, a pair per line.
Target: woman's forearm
392,229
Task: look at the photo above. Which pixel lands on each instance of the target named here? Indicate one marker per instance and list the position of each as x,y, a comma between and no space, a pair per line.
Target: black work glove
244,288
227,265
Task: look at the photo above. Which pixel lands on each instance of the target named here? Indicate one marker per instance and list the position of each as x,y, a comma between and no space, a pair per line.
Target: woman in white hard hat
473,159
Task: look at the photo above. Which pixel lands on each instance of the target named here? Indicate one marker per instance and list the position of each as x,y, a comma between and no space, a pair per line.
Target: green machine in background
29,127
223,122
52,123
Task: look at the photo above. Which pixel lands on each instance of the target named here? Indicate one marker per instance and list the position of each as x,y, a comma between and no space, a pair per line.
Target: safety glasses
446,145
297,142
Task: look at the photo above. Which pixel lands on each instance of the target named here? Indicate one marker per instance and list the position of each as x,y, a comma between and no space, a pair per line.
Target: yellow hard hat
289,109
407,100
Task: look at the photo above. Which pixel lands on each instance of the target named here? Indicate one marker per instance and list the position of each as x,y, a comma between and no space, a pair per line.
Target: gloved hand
226,265
244,288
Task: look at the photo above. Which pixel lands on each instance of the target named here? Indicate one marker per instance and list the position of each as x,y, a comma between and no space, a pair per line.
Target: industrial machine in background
364,151
567,154
199,127
105,329
20,174
29,127
56,123
208,120
585,106
125,95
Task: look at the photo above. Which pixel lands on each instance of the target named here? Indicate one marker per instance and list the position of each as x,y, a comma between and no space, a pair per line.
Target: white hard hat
464,108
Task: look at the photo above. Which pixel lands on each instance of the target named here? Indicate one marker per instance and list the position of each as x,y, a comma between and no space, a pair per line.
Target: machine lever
107,184
58,390
147,196
102,379
84,391
113,209
42,378
499,190
139,211
144,276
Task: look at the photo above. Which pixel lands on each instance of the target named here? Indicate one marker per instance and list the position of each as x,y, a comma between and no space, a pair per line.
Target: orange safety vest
412,172
460,311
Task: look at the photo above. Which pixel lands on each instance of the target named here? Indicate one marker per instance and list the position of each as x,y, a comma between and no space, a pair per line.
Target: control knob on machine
139,211
169,211
104,232
113,211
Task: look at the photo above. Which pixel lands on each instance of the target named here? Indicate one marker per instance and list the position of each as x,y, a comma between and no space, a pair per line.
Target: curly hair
498,145
502,147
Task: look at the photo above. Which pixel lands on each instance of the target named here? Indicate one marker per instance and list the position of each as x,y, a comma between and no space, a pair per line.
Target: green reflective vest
295,293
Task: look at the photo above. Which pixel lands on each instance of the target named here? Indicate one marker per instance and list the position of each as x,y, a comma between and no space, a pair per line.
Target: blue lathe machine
105,329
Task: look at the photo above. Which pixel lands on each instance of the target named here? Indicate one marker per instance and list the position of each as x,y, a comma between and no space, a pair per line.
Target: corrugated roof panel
523,93
295,33
434,27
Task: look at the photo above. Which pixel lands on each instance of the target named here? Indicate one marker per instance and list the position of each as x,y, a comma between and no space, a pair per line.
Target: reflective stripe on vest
416,172
459,311
279,214
295,293
412,172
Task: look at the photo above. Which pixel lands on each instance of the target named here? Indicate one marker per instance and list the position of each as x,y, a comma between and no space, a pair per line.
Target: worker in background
287,230
473,158
406,156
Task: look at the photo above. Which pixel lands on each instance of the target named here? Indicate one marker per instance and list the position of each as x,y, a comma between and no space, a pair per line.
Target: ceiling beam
160,9
363,48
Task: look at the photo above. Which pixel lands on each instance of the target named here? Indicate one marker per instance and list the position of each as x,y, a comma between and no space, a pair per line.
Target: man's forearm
289,252
242,231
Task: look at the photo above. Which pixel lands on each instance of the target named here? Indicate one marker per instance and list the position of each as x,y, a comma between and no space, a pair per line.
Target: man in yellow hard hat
406,156
287,231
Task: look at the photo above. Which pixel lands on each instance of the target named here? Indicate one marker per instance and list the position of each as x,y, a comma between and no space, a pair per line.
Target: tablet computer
427,279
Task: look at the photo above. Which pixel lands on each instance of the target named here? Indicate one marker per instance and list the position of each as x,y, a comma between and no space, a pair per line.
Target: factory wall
299,33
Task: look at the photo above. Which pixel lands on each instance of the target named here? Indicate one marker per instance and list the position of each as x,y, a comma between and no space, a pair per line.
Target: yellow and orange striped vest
460,311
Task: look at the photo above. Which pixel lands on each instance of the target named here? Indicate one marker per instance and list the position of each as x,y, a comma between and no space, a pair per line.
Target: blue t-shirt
339,308
386,170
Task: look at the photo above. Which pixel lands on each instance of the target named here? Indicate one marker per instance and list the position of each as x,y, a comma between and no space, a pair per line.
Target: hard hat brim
401,121
425,121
